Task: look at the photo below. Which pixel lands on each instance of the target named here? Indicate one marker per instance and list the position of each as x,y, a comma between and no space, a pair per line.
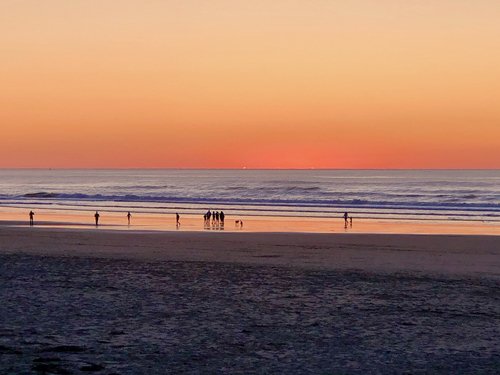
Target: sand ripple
64,315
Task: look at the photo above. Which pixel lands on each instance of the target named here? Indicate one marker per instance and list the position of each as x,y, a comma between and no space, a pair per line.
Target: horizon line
250,169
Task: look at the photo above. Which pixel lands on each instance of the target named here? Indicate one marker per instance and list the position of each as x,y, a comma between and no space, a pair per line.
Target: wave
150,187
277,189
41,195
266,209
449,204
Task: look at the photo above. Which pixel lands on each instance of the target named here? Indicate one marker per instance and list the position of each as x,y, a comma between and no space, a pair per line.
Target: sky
249,84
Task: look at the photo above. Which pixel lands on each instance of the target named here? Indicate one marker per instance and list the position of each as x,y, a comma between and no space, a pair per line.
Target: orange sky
231,84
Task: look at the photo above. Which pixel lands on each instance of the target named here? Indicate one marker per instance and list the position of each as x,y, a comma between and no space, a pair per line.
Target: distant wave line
262,202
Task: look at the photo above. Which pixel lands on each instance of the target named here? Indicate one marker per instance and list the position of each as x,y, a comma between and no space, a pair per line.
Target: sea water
463,195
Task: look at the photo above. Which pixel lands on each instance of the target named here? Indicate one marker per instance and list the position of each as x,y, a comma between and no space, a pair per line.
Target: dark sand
153,303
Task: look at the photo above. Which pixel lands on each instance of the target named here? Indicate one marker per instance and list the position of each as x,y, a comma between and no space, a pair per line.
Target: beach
128,302
249,187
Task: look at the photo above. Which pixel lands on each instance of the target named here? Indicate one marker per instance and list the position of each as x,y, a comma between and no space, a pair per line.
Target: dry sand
76,301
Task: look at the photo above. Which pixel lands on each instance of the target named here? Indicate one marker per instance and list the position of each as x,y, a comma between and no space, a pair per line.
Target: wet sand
256,224
104,301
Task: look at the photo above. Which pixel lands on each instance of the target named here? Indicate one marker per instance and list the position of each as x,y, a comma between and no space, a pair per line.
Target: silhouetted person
129,215
346,216
221,216
177,218
217,216
241,224
96,218
350,221
32,215
209,215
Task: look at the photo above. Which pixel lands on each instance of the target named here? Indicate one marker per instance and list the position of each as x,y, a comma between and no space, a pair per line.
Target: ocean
462,195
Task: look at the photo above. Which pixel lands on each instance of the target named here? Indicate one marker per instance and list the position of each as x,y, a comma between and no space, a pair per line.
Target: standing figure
177,222
209,215
96,216
32,215
346,216
221,216
350,221
129,215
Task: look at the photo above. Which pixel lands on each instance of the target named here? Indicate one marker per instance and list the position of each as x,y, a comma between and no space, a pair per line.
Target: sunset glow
260,84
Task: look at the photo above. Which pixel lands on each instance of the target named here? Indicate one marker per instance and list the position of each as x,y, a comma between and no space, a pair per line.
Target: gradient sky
256,84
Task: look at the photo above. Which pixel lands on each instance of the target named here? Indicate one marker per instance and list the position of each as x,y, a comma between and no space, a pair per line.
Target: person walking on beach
32,215
129,215
221,216
209,215
346,217
96,216
177,220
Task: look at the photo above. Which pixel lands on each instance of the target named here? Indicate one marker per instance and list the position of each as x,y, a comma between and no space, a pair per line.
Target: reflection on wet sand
159,222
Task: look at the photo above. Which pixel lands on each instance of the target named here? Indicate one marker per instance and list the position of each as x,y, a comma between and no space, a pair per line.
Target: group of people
214,219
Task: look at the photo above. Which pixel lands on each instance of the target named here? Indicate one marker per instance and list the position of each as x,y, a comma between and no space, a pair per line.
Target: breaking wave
449,203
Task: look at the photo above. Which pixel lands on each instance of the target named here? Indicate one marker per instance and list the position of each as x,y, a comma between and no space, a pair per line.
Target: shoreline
145,229
252,224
